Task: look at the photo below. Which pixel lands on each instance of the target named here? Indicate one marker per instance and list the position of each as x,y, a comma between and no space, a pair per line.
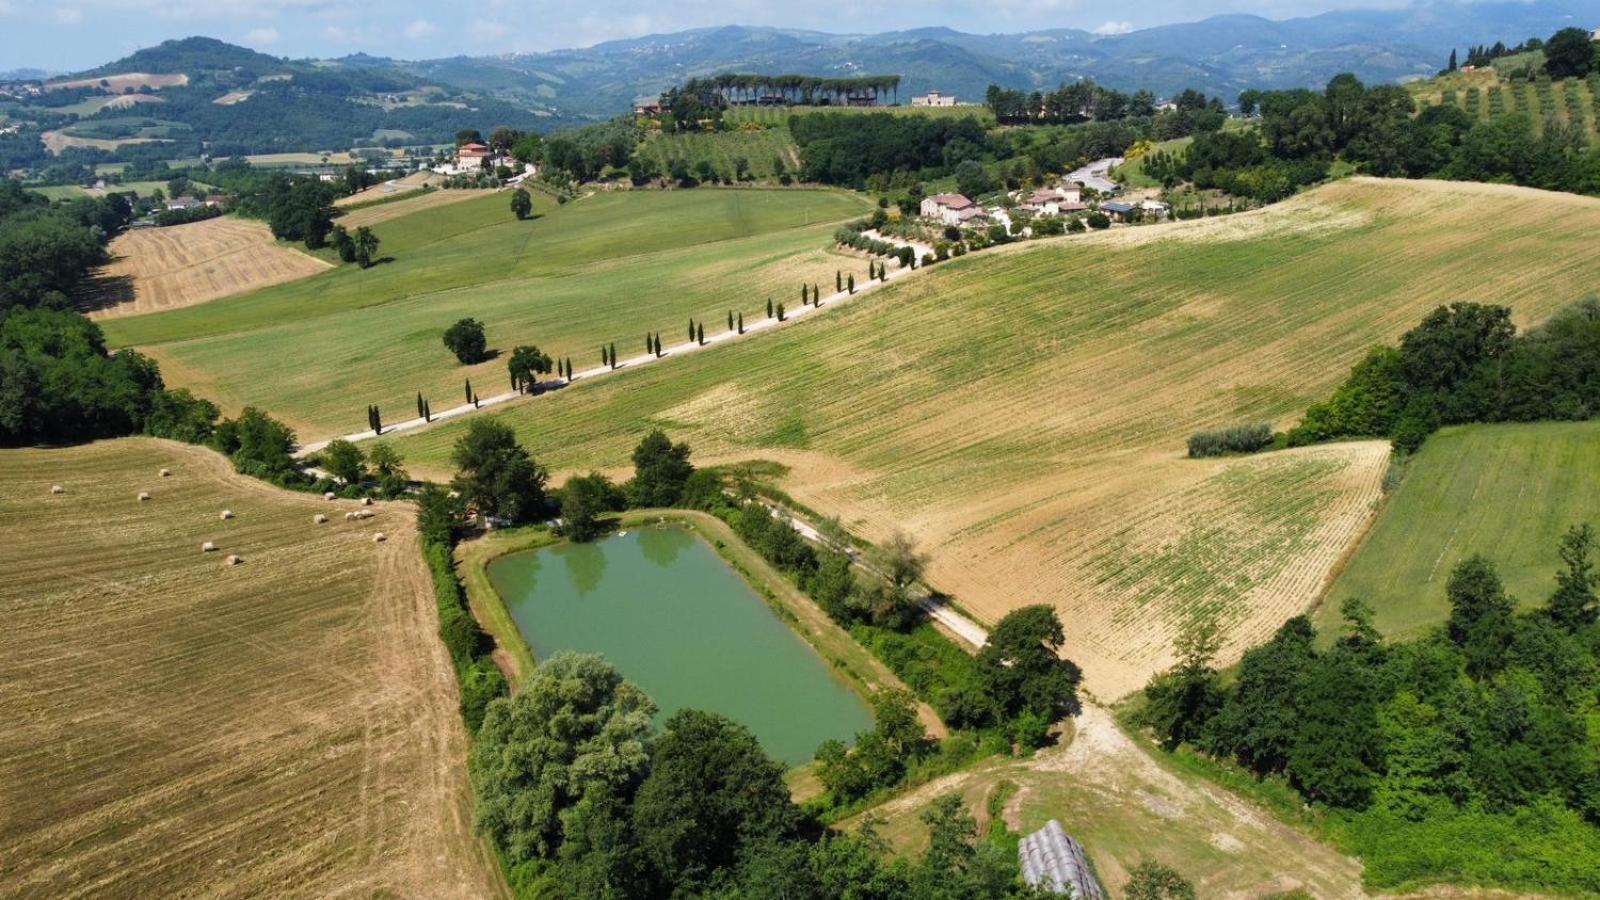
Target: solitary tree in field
339,240
780,312
467,341
741,323
366,244
377,420
521,204
769,307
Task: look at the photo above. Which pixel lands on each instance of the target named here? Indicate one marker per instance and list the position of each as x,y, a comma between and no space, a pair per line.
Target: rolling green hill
601,269
1506,491
1486,94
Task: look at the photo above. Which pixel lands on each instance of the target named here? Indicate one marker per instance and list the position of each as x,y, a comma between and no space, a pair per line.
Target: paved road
644,359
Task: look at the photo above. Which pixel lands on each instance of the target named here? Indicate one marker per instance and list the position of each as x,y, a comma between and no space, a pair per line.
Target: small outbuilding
1053,861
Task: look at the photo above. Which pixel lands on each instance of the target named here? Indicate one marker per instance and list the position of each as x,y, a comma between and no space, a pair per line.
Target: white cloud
420,29
68,15
1114,28
487,30
257,37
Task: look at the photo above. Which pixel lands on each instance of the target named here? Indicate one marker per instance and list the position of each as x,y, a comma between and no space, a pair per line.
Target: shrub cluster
1233,439
469,647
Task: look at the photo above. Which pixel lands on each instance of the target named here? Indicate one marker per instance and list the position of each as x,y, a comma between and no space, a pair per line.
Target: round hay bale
328,495
166,473
379,538
208,546
57,489
143,496
366,501
227,514
318,519
349,517
234,559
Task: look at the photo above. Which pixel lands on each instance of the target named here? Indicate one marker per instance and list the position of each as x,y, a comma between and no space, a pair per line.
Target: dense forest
1466,756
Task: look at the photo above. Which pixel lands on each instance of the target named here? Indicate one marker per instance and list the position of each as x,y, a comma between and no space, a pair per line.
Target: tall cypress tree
805,291
838,281
780,312
377,421
769,307
419,404
649,343
613,356
427,412
604,360
730,320
851,284
468,390
816,296
741,323
691,329
700,334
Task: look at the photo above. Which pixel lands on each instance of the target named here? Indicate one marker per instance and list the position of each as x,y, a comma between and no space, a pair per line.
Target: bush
481,682
1098,220
467,341
1233,439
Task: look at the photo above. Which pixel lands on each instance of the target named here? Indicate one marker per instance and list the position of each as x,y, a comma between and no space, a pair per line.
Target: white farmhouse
933,98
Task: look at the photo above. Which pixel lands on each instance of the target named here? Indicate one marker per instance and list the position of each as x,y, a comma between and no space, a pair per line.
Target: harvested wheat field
119,83
180,726
383,212
155,269
395,188
1023,412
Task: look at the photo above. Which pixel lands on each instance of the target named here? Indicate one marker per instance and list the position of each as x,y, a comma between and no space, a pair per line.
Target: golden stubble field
154,269
1023,411
179,727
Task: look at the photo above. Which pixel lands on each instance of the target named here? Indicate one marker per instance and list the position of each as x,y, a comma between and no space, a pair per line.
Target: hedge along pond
677,621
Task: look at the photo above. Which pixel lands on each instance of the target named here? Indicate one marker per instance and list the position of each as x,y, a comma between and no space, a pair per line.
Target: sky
70,35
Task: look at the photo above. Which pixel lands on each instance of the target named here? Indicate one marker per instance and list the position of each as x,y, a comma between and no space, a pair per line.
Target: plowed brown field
154,269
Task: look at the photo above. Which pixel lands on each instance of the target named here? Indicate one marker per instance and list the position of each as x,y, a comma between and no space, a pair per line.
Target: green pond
675,620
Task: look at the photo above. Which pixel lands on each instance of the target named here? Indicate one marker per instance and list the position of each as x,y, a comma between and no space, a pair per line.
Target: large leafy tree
1481,615
660,470
1570,53
1257,724
573,742
467,341
1022,670
526,363
495,473
712,791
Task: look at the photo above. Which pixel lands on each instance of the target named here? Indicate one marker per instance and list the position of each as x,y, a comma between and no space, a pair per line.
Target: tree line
1084,101
1466,363
1466,754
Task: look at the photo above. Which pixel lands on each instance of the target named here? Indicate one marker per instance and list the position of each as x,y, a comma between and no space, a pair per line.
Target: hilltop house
953,209
471,156
933,98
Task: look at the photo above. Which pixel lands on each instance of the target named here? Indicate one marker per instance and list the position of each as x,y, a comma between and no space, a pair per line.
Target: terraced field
154,269
1024,411
606,268
1508,492
176,726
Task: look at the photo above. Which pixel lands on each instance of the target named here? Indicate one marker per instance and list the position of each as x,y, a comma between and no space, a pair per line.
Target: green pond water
675,620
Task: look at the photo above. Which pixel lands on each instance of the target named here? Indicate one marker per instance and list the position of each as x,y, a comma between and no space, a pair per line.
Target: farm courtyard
176,726
1023,411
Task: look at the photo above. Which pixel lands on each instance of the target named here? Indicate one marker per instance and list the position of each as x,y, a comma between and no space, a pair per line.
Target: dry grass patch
156,269
119,83
383,212
179,727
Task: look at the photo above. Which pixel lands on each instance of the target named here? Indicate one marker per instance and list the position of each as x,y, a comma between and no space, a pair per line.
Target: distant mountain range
1220,55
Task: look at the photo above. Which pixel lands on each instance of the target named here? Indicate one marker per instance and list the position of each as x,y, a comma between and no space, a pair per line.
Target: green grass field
142,188
1024,411
601,269
1506,491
